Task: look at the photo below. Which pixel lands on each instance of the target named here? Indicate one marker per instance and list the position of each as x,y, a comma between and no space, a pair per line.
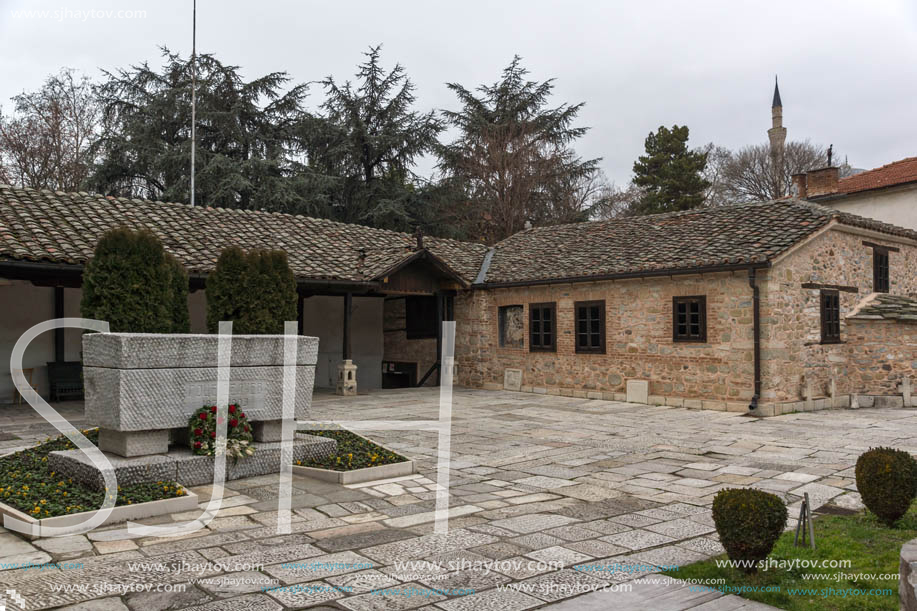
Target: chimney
821,182
799,184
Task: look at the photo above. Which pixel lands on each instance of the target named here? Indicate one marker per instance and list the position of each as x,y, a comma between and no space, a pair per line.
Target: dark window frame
881,281
420,317
588,305
687,337
537,335
829,307
501,326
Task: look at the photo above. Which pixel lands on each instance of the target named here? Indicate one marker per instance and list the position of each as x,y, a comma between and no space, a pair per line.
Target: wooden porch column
300,319
348,307
59,346
439,336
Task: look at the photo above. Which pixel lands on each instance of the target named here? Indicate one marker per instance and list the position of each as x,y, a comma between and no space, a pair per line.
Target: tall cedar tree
131,283
255,290
248,137
512,161
670,174
365,146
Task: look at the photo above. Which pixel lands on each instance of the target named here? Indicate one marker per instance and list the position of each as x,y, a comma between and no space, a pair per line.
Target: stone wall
639,345
871,360
907,576
792,353
881,353
401,349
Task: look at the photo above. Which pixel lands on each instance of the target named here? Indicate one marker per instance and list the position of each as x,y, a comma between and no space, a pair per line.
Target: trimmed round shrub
749,522
887,482
131,283
255,290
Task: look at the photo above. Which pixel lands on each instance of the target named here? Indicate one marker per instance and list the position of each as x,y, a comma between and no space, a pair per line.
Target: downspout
756,331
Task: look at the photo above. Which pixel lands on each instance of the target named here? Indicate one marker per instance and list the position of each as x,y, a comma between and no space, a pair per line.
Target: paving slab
550,477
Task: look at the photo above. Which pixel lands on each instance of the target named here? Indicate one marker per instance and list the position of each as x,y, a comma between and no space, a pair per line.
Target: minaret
777,135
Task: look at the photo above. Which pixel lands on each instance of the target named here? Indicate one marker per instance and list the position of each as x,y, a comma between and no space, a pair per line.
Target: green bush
131,283
255,290
749,522
181,320
887,482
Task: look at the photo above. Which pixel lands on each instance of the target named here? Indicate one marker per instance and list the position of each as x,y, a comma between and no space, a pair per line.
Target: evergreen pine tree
670,173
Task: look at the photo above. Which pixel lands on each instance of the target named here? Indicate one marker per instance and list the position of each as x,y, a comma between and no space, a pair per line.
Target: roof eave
845,194
684,271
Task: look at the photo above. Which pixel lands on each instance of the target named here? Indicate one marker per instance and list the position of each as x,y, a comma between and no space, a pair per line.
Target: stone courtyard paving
546,479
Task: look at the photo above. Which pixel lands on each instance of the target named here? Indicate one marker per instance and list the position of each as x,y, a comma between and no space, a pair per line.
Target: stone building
754,306
776,306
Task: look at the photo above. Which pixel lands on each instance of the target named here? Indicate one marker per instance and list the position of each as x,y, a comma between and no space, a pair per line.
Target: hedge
255,290
132,283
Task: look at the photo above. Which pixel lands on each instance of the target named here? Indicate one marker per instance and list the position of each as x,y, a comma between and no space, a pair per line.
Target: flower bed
354,452
28,485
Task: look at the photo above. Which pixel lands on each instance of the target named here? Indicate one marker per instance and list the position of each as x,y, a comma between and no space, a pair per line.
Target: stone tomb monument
142,388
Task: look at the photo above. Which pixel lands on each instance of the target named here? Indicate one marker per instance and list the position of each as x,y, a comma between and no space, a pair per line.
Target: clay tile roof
55,227
739,234
47,226
896,173
882,306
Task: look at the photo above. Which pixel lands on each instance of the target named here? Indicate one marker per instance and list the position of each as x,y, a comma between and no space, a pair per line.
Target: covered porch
388,326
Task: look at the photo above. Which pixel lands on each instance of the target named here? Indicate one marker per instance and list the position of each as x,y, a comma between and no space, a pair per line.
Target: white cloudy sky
848,70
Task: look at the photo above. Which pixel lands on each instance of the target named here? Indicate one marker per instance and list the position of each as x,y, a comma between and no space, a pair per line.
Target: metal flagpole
193,93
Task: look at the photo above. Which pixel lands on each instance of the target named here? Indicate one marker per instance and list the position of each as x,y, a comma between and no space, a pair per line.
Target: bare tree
749,173
717,159
47,142
611,201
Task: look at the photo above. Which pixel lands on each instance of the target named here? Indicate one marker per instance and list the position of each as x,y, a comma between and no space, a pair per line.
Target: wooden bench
65,380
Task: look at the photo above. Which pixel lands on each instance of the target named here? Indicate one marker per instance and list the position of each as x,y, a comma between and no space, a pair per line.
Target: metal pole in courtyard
193,93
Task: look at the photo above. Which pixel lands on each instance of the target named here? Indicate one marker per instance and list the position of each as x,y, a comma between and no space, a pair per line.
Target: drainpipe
756,331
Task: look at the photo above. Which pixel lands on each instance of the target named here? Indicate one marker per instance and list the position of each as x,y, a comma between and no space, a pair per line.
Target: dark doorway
399,375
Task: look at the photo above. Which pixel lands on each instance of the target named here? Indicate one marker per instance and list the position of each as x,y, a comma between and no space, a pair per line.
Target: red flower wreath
202,432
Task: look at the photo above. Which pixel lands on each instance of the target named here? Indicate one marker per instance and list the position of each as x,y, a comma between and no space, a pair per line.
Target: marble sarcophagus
141,386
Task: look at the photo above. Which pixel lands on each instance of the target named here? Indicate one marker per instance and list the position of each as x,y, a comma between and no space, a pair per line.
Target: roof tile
41,225
677,241
889,175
